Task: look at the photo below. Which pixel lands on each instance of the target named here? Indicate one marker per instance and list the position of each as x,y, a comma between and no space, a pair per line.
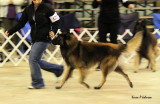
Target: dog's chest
76,61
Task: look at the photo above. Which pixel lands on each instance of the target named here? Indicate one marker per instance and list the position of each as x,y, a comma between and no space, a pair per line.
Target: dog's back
94,53
84,54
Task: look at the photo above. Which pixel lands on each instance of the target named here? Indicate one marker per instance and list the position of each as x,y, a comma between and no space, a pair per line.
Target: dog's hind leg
152,60
148,66
82,76
152,57
104,75
156,50
120,71
107,67
137,61
67,74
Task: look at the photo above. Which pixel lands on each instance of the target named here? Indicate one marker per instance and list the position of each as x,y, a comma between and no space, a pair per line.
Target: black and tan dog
84,55
148,48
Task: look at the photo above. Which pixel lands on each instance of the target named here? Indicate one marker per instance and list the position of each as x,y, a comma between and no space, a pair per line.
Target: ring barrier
51,55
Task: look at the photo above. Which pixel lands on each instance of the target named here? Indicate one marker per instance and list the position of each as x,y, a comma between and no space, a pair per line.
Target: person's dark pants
105,28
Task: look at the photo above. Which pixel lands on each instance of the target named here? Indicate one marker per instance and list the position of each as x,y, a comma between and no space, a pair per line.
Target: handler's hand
6,33
10,1
51,34
130,6
99,0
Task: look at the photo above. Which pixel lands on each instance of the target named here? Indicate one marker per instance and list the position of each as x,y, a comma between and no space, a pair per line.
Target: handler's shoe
31,87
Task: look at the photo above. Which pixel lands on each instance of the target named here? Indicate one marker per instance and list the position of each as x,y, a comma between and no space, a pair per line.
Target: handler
41,18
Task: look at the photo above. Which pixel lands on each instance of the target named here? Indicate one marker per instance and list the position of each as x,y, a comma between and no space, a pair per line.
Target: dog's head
64,39
140,26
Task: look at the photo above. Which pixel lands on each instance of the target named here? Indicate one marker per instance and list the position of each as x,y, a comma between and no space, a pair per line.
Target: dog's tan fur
84,55
148,48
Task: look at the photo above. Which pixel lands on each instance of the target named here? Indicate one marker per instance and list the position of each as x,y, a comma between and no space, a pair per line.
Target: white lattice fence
51,54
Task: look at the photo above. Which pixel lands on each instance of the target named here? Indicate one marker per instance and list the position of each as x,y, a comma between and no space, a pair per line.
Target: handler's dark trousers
105,28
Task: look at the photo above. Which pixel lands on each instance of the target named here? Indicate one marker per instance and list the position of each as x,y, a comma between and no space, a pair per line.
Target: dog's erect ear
67,35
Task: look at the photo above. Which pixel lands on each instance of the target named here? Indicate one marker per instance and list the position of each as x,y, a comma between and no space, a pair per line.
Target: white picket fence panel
51,55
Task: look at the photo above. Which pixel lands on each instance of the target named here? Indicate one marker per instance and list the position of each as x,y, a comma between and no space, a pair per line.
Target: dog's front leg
82,76
67,74
120,71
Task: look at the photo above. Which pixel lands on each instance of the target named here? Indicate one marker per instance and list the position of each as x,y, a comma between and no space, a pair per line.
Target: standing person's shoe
32,87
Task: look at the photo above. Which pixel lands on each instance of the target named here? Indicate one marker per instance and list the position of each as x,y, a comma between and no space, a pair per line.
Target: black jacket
109,10
41,26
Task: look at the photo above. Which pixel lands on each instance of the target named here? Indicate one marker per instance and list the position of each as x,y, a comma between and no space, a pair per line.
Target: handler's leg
54,68
34,57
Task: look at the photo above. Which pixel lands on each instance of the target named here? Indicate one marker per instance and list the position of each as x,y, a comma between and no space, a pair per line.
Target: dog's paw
131,85
58,87
88,86
97,88
154,71
135,72
147,67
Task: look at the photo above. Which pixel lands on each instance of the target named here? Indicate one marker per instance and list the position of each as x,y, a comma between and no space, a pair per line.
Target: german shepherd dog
84,55
148,48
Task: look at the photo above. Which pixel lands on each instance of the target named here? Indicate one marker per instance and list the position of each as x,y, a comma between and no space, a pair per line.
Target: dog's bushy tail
134,44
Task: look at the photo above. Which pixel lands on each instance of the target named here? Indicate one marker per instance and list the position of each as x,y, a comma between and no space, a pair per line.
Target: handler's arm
55,21
54,18
22,21
127,4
